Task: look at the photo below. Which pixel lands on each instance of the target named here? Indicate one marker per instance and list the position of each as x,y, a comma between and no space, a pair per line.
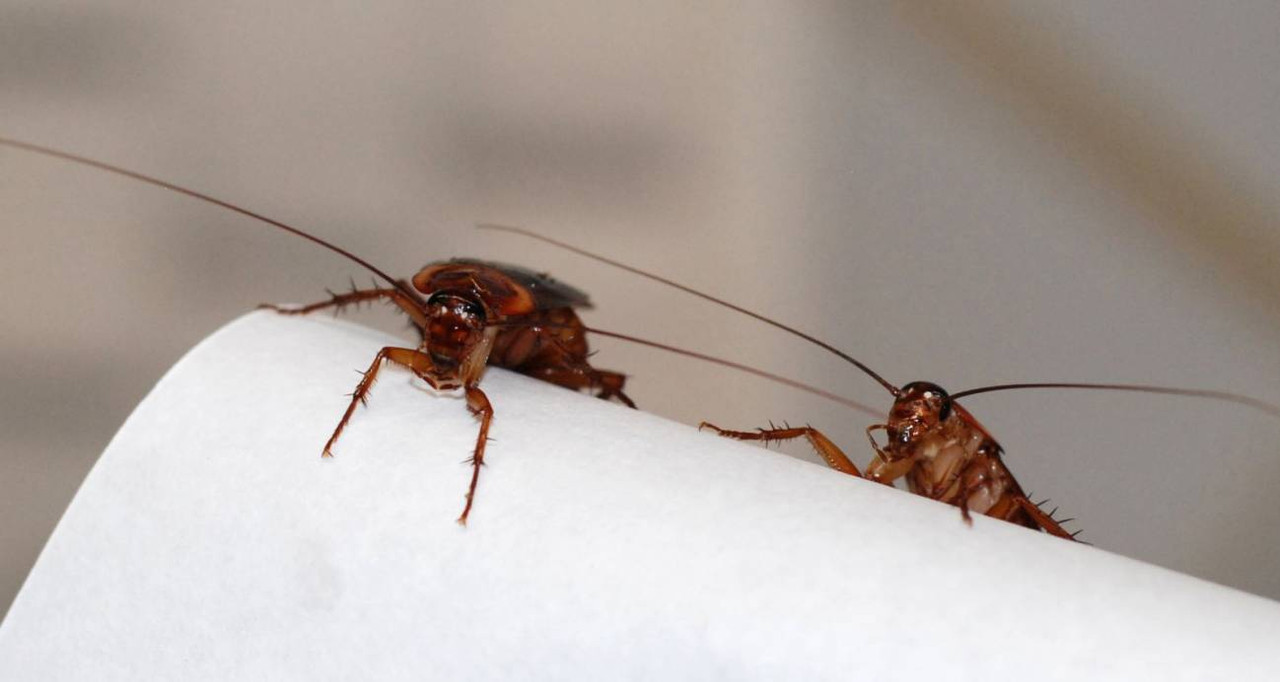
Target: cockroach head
455,323
920,407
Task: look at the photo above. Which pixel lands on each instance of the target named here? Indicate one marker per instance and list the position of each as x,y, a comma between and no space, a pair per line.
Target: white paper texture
212,542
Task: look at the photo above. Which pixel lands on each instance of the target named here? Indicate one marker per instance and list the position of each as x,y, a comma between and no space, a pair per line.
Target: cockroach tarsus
933,443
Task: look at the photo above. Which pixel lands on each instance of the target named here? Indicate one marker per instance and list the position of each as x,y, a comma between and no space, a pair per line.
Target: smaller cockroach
934,444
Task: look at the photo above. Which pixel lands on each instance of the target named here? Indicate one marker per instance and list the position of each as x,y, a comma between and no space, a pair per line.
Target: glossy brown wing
508,289
969,419
547,291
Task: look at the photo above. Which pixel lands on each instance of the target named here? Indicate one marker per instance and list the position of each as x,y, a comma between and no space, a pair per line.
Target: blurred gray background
970,193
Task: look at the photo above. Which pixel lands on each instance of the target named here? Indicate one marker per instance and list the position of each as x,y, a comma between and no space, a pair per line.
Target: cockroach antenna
934,444
690,290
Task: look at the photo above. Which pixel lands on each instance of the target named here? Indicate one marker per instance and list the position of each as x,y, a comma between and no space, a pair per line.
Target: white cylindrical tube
211,541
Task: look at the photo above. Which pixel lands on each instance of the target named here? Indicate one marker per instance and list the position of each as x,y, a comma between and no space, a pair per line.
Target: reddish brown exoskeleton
939,448
469,314
933,443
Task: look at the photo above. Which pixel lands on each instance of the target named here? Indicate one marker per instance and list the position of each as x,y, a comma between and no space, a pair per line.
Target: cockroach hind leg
1045,520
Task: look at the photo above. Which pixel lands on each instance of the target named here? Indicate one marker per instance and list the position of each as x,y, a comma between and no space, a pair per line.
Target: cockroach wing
973,423
509,290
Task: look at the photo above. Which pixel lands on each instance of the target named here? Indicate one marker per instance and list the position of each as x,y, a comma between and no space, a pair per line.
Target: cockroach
932,442
469,314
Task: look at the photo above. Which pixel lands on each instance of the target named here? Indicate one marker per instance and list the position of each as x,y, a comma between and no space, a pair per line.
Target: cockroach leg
963,503
607,384
479,405
874,445
834,457
610,385
884,469
419,363
340,301
1046,521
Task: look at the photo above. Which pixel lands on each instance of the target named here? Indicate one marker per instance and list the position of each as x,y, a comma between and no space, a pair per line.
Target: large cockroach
933,443
469,314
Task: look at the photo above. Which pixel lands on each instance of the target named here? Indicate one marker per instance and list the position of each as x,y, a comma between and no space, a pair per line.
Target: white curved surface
212,542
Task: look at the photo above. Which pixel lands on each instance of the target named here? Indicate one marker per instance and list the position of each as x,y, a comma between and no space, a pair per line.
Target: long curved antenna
65,156
706,297
1260,405
847,402
776,378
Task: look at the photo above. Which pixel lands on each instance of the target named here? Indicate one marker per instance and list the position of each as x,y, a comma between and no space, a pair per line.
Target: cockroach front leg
828,451
884,469
339,301
479,405
417,362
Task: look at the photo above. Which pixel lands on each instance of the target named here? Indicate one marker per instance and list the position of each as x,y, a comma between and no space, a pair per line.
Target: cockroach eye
945,410
460,305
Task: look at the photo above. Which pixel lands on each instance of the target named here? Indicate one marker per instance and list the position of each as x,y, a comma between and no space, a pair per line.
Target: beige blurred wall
971,193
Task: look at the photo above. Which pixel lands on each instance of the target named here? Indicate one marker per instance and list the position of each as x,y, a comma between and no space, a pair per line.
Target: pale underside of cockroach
939,449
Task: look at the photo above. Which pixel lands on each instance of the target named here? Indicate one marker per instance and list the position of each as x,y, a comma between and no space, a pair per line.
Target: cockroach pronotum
933,443
469,314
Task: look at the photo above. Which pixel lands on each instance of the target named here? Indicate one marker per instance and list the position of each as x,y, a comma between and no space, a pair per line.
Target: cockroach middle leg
604,383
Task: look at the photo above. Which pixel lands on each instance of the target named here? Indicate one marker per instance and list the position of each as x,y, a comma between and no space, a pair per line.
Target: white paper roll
212,542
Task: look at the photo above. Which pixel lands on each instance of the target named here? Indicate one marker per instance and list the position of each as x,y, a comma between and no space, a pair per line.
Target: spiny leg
479,405
416,361
835,458
355,296
1046,521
